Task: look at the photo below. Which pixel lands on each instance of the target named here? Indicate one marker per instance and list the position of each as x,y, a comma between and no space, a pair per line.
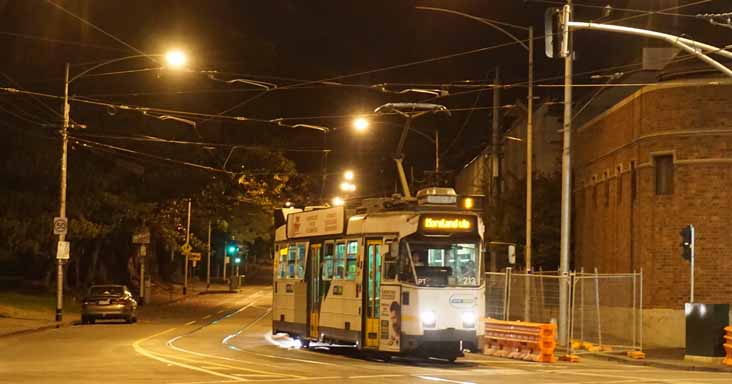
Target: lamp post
175,59
498,25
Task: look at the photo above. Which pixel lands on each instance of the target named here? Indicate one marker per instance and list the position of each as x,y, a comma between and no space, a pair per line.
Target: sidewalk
668,358
24,313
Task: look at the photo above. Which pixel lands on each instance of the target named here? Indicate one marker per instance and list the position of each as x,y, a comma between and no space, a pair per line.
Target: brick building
656,161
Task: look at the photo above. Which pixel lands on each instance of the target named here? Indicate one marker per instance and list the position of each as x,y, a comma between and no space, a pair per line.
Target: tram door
314,290
372,282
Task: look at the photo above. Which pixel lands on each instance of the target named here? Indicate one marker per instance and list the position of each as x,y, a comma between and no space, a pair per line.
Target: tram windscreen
445,264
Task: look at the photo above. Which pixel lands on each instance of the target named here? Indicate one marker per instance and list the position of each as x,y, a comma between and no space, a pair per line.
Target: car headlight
428,319
468,320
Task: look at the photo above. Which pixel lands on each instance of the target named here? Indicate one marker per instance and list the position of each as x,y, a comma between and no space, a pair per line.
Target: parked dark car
108,302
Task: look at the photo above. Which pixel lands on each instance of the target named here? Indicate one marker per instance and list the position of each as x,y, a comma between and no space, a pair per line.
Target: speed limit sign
60,225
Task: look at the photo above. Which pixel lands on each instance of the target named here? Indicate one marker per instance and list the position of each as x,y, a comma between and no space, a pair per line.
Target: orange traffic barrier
519,340
728,346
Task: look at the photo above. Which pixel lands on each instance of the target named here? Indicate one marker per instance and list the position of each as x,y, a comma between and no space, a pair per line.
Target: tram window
390,264
291,260
328,262
351,260
340,261
300,270
282,263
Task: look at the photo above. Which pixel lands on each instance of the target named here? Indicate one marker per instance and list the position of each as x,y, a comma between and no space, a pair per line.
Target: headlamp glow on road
468,319
428,319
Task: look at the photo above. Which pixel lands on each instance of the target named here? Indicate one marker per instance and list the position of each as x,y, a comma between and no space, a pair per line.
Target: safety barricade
728,346
520,340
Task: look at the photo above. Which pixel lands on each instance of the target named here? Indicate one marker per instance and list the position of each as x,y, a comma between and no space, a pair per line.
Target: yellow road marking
139,349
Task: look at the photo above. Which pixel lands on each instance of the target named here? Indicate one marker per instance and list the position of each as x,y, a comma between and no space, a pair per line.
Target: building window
619,185
633,182
664,174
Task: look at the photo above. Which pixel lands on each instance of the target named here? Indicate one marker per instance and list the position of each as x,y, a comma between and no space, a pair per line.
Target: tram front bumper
443,342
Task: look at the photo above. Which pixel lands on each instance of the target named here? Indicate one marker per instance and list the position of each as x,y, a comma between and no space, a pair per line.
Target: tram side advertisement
321,222
391,319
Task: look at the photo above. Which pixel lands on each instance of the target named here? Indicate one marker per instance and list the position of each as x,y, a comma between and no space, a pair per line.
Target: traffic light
237,260
232,249
687,242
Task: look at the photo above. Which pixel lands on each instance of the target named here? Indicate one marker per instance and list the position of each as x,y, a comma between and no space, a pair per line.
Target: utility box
705,329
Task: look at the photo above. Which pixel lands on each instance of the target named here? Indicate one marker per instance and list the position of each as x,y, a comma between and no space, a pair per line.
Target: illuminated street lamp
348,187
360,123
176,59
337,201
348,175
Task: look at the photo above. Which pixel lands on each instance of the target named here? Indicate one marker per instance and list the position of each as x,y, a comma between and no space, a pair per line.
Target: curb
659,364
38,329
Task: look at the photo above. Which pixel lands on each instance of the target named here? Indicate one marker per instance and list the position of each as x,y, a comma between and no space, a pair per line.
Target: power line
58,41
98,29
154,139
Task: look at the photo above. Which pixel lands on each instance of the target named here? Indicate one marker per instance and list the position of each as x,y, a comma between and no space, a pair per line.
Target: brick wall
617,233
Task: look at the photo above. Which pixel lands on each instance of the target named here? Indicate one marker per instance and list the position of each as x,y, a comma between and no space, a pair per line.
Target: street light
348,187
498,25
337,201
348,175
176,59
360,124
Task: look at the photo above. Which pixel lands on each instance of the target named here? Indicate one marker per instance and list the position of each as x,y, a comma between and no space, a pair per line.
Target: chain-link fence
604,310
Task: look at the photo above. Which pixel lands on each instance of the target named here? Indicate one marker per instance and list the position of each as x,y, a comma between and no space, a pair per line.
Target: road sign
62,250
186,248
60,225
141,237
194,256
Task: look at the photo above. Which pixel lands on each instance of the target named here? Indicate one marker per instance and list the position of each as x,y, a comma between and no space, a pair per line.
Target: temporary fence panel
605,309
496,292
606,312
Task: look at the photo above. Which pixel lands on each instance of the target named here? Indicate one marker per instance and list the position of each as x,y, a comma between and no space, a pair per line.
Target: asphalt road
225,338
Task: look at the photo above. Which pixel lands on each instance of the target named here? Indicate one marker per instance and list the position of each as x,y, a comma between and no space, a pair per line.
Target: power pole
495,161
208,260
62,201
566,176
529,152
188,239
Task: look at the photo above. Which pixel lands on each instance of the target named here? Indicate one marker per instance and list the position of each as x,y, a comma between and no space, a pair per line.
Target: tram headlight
468,319
428,319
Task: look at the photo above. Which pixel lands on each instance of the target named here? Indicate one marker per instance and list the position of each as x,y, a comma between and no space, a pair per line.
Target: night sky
290,42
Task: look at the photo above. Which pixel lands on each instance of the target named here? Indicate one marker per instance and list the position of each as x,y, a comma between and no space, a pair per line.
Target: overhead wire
58,41
96,28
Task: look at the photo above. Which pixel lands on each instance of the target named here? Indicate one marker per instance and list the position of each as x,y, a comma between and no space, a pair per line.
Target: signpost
142,237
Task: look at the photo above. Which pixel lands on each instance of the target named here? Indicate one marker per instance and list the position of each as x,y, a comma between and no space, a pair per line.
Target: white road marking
373,376
205,317
431,378
221,311
191,322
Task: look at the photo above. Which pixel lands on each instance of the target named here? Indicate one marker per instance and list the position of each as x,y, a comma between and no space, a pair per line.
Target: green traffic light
231,249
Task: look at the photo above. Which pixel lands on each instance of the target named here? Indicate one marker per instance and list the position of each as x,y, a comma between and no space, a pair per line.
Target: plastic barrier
728,346
520,340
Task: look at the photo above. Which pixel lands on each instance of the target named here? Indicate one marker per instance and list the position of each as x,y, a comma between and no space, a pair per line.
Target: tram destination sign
435,224
320,222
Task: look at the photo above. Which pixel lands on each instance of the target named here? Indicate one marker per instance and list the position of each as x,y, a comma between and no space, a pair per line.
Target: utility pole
494,149
62,200
208,260
566,176
529,152
188,239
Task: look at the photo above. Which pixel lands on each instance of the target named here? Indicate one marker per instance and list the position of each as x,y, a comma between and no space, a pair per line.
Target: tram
391,277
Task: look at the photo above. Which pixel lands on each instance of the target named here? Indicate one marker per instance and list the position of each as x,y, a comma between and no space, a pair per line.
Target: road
225,338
